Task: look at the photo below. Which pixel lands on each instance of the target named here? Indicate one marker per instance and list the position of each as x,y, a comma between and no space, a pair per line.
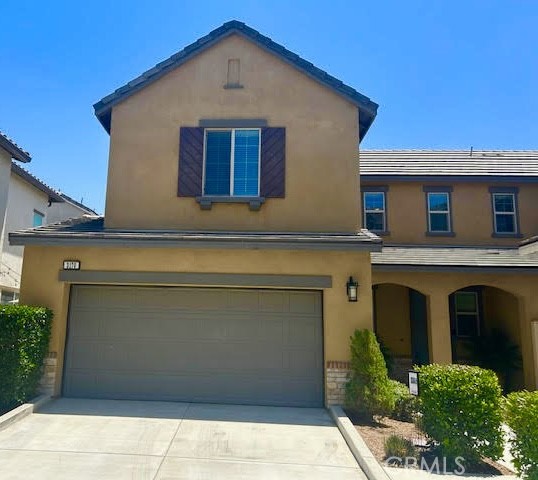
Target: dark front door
419,328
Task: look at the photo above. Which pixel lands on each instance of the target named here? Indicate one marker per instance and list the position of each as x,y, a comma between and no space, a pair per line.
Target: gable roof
367,108
16,152
424,165
54,196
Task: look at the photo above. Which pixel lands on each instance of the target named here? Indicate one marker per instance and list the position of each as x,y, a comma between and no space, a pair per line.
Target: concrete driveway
112,439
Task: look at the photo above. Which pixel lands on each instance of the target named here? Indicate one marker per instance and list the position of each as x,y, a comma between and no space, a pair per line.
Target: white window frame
447,212
513,213
475,314
383,211
232,155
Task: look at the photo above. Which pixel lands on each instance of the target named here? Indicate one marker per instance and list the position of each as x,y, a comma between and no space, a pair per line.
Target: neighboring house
30,203
453,266
225,266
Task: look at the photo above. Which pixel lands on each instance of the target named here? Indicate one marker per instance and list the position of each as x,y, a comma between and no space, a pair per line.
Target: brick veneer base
48,378
337,375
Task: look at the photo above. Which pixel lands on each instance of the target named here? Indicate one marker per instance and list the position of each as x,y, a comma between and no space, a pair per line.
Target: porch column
440,340
528,322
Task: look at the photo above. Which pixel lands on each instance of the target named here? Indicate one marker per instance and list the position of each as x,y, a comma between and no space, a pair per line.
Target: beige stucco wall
471,214
5,173
437,286
393,323
322,192
40,284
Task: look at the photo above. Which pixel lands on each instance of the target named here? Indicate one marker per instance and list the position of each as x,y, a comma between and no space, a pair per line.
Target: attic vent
233,78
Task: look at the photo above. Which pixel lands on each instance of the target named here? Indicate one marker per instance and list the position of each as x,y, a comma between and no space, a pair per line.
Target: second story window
438,205
504,213
232,162
38,219
374,211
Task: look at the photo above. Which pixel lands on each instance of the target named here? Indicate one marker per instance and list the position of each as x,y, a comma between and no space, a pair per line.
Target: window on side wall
504,213
439,218
38,219
232,162
375,218
467,313
8,297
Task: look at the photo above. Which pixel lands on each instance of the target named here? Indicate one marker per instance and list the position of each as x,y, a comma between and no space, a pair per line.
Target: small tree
369,391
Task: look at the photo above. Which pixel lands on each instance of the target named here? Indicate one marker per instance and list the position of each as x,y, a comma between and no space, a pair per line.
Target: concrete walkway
108,439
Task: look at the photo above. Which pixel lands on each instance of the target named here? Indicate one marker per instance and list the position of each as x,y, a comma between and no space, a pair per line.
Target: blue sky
446,74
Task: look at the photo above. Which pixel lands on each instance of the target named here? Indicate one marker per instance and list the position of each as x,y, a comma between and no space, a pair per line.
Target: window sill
506,235
206,202
381,233
440,234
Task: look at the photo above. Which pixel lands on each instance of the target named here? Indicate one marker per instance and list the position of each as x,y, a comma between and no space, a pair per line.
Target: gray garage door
195,344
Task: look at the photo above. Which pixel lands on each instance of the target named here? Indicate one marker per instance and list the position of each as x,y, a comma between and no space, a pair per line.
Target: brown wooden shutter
191,161
273,162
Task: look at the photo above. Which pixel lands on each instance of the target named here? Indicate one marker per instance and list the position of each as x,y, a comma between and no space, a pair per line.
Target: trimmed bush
369,391
24,341
521,413
461,410
396,446
406,405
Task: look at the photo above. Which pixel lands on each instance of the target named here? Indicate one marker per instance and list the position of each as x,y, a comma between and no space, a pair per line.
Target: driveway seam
7,449
171,441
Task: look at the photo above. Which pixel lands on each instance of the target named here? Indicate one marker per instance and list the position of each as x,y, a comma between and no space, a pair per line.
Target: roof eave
14,150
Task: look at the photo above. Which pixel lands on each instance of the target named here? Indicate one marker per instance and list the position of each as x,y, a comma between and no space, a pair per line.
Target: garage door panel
195,344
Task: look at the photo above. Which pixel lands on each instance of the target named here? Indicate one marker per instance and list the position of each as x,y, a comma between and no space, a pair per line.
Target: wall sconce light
352,288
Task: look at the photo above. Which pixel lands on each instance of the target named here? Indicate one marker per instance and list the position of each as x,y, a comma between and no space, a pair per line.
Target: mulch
375,433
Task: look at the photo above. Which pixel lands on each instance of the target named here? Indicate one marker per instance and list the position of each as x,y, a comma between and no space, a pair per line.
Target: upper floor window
438,207
232,162
38,219
504,212
375,211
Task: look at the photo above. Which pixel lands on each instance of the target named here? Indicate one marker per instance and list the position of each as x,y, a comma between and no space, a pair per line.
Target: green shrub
396,446
24,340
461,410
406,405
369,391
521,413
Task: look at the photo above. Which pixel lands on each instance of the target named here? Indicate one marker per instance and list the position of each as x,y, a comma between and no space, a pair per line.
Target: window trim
439,233
513,191
477,313
232,161
383,191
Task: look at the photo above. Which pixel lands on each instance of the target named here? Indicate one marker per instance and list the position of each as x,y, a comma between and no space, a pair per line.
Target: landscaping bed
375,433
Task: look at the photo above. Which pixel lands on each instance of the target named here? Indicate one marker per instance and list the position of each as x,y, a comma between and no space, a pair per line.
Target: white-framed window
374,209
504,212
467,314
9,297
438,212
232,162
38,219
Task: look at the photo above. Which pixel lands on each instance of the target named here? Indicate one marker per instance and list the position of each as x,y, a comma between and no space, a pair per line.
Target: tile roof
454,258
367,108
54,195
449,163
33,180
90,230
16,152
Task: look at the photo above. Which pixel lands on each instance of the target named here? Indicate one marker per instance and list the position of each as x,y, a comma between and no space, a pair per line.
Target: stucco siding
322,191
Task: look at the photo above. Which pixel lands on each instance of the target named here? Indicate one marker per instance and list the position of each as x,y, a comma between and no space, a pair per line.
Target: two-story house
454,268
30,203
230,265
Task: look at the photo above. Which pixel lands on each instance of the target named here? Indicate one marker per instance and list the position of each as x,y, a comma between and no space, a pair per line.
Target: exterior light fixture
352,288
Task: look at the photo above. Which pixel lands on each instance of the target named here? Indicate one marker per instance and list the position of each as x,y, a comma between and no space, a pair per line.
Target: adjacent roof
80,205
435,258
16,152
461,164
367,108
54,196
89,230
